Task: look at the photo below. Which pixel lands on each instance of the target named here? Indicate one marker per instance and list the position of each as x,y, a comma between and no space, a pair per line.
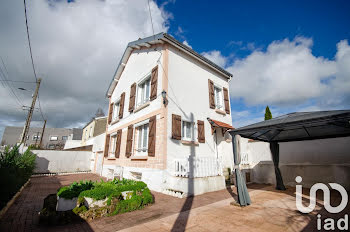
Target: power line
5,80
31,54
19,81
150,14
28,37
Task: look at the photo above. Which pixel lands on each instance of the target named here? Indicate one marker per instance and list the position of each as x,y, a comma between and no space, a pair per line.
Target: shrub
69,192
15,170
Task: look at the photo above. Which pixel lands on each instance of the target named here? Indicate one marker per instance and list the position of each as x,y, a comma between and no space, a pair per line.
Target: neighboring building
158,131
54,138
93,139
94,128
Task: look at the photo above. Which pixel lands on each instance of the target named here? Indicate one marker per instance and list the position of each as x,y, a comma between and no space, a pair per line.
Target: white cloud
76,49
216,57
187,44
287,73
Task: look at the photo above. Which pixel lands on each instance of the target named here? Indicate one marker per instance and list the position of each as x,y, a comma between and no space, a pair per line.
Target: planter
64,204
89,202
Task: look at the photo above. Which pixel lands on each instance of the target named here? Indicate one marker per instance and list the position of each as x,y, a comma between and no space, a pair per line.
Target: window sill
142,107
139,157
185,142
220,111
115,121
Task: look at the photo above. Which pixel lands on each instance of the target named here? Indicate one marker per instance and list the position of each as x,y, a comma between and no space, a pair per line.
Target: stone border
13,199
59,173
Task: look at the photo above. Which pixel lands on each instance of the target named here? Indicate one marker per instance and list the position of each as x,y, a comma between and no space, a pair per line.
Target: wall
324,160
49,161
140,64
189,97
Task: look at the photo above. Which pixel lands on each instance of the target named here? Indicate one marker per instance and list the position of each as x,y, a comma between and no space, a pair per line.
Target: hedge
15,170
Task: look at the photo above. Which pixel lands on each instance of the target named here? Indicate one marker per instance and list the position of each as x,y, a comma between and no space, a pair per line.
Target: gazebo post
242,191
275,151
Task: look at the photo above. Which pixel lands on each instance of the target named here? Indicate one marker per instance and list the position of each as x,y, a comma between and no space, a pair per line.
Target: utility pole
42,134
30,113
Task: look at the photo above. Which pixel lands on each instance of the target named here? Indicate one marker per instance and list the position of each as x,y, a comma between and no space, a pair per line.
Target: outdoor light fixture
164,96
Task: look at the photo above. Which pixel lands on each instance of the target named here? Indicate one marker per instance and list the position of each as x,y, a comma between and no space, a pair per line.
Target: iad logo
342,223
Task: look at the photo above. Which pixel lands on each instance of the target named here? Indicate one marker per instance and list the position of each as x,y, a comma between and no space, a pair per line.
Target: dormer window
143,92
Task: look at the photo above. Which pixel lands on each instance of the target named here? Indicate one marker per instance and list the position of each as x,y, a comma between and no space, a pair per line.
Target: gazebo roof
299,126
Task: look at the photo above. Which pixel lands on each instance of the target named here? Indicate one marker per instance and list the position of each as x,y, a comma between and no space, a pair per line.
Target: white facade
316,161
185,80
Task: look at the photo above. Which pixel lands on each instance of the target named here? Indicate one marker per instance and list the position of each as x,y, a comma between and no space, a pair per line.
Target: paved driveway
270,211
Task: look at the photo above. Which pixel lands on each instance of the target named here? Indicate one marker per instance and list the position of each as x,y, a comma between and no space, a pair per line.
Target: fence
198,167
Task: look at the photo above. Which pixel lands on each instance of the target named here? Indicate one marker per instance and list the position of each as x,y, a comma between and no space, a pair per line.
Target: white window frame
115,115
53,139
140,99
219,106
112,144
142,142
38,137
184,124
53,145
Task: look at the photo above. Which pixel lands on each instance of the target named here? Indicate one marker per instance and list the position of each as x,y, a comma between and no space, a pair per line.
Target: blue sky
238,28
290,55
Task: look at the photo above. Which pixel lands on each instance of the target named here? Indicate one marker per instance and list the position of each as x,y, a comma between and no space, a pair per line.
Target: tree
99,113
268,114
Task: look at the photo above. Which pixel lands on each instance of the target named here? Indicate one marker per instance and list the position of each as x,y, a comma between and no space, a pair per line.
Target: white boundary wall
316,161
52,161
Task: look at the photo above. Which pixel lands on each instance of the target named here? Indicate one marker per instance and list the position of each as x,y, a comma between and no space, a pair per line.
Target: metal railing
198,167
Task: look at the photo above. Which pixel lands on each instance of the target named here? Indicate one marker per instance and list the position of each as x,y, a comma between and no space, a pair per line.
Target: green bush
15,170
73,190
80,209
111,191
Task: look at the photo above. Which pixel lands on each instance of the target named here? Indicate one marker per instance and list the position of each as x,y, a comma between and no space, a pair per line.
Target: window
112,146
116,108
143,92
90,135
218,97
142,139
36,137
64,137
52,146
187,131
53,138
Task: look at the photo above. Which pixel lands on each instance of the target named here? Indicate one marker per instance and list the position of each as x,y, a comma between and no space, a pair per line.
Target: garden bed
91,200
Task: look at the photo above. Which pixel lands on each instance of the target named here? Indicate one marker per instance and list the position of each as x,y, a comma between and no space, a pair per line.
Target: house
93,128
93,138
53,138
169,112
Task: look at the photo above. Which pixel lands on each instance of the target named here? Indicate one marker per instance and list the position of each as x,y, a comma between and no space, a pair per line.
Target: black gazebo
286,128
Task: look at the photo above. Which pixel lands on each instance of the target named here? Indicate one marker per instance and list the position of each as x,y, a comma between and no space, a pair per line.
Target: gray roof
160,38
299,126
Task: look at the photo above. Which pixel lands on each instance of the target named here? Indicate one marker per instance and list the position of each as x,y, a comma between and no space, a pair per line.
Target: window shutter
227,104
121,105
118,142
152,136
211,94
110,113
154,81
132,97
176,127
201,134
107,145
129,141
